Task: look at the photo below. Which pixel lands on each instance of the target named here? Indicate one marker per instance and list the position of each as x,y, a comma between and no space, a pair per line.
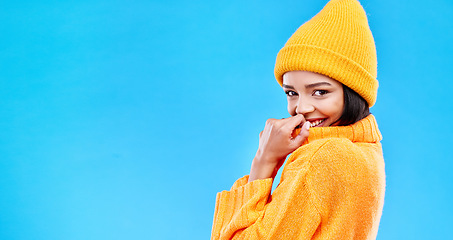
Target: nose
304,107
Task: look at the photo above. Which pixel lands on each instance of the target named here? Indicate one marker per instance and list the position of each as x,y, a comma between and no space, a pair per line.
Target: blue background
122,119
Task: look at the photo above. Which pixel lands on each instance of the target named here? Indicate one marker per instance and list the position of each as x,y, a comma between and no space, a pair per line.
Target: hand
276,142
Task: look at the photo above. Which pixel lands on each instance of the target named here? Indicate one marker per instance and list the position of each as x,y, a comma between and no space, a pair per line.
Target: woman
333,183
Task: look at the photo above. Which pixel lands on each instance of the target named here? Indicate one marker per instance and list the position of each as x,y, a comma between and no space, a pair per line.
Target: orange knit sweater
332,187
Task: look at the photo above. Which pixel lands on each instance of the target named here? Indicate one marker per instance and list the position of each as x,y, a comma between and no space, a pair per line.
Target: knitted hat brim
310,58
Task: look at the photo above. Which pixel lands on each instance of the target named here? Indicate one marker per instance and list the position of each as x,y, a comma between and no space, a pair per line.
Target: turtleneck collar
365,130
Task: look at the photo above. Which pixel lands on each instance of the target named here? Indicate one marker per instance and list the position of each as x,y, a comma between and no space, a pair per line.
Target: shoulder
336,148
338,155
330,151
347,154
332,154
326,148
342,161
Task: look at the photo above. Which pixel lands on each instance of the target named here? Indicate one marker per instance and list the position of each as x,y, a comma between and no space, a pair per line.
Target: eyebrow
287,86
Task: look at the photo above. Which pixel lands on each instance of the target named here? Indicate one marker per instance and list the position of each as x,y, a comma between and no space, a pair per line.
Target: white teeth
316,123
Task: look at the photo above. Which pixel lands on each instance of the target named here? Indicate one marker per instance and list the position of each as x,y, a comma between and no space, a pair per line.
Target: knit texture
332,187
338,43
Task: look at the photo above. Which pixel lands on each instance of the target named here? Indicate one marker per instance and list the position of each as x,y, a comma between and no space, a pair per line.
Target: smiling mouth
317,123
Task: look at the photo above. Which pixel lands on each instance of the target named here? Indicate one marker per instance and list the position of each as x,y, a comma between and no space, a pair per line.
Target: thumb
300,138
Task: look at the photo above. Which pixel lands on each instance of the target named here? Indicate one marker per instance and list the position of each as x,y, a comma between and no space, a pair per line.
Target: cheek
337,108
333,108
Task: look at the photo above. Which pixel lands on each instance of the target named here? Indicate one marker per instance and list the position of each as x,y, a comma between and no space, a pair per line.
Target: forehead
302,78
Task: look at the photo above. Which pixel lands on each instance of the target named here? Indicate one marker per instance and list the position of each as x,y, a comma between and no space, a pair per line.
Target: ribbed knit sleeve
248,211
241,206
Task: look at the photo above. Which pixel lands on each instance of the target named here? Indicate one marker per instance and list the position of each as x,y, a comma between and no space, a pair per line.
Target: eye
290,93
320,92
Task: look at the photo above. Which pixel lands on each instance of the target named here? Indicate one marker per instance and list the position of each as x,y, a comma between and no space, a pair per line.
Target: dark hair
355,108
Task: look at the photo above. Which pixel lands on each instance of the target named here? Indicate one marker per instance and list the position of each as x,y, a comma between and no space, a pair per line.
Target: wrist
262,168
266,159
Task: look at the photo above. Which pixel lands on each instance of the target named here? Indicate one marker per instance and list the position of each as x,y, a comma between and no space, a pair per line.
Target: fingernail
307,125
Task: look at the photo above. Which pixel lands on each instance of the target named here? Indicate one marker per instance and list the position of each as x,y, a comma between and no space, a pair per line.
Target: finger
295,121
270,122
304,132
261,134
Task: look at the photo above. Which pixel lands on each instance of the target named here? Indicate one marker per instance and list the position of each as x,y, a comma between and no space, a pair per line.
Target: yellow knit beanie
338,43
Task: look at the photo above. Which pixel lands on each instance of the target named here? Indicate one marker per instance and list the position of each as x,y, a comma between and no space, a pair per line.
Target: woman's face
317,97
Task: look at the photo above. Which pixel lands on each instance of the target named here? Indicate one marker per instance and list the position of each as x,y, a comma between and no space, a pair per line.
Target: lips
317,122
313,123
